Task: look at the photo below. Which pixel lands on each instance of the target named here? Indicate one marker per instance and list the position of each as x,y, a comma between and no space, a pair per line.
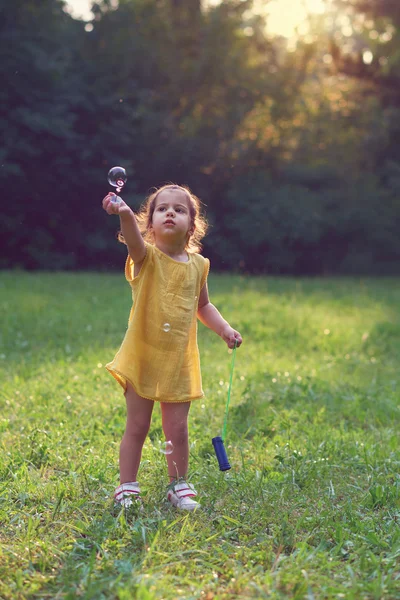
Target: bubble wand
218,442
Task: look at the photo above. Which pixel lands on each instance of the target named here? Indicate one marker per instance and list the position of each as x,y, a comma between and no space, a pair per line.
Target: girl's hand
230,336
112,207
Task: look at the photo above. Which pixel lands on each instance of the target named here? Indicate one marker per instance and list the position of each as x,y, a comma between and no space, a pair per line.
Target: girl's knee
175,420
139,411
137,427
176,430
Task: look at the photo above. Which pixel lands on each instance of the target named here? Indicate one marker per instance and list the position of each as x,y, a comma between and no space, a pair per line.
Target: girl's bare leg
137,427
175,426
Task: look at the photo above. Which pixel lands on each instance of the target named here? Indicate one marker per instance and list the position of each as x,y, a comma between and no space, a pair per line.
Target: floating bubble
117,177
166,327
167,447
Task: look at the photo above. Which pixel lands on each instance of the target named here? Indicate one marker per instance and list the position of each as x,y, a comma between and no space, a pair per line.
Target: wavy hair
197,221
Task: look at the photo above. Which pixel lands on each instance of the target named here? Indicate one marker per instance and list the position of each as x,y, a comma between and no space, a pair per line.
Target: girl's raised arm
129,227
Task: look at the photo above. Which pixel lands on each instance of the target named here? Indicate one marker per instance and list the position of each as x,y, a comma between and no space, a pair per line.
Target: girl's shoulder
132,269
199,259
202,265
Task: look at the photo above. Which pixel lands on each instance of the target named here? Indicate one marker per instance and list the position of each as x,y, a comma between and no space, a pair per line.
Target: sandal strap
184,490
127,489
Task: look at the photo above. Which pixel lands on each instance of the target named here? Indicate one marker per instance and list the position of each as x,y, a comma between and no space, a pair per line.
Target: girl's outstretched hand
112,207
230,336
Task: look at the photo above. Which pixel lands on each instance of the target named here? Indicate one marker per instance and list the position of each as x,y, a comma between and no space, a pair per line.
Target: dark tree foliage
175,92
39,104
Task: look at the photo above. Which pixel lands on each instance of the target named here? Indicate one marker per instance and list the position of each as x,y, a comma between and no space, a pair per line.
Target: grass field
311,507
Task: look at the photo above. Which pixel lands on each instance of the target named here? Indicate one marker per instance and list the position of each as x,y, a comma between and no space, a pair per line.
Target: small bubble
167,447
166,327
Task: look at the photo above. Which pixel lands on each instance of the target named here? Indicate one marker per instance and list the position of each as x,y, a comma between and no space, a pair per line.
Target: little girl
158,360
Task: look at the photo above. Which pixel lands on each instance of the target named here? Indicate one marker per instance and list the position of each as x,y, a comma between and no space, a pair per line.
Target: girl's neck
177,252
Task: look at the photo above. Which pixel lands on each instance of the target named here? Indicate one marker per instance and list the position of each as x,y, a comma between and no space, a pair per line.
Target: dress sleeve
130,265
205,273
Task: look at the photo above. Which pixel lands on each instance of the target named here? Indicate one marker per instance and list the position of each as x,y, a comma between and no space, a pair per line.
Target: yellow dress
159,355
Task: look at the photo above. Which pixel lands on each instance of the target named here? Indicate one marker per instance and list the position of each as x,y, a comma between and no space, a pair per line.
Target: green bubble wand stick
218,442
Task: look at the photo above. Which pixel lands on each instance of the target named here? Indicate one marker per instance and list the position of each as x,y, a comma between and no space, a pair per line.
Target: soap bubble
166,327
117,177
167,447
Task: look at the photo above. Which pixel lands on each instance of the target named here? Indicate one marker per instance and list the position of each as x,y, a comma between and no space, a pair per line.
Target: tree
38,46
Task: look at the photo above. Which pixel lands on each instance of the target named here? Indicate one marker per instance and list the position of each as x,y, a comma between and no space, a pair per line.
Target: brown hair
197,221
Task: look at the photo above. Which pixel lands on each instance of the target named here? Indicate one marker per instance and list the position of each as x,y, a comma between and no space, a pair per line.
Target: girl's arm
129,227
212,318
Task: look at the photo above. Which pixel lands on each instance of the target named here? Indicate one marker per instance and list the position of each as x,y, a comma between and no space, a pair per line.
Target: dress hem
121,378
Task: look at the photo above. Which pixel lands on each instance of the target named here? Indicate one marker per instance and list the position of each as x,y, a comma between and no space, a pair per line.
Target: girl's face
171,217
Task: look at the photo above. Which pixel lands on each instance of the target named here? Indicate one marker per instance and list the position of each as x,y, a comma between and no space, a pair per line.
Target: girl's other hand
112,207
230,336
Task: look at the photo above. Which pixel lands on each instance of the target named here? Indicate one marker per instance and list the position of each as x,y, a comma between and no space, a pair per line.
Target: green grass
311,507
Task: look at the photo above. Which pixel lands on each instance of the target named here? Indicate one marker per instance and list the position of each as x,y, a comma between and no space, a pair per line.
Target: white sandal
128,493
181,495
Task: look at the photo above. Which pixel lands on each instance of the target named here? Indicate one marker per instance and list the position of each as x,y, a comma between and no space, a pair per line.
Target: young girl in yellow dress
158,360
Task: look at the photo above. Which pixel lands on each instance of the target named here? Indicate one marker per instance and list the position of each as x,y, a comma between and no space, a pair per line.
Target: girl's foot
181,495
127,494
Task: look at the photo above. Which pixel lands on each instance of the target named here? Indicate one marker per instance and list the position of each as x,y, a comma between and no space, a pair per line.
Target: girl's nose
170,211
